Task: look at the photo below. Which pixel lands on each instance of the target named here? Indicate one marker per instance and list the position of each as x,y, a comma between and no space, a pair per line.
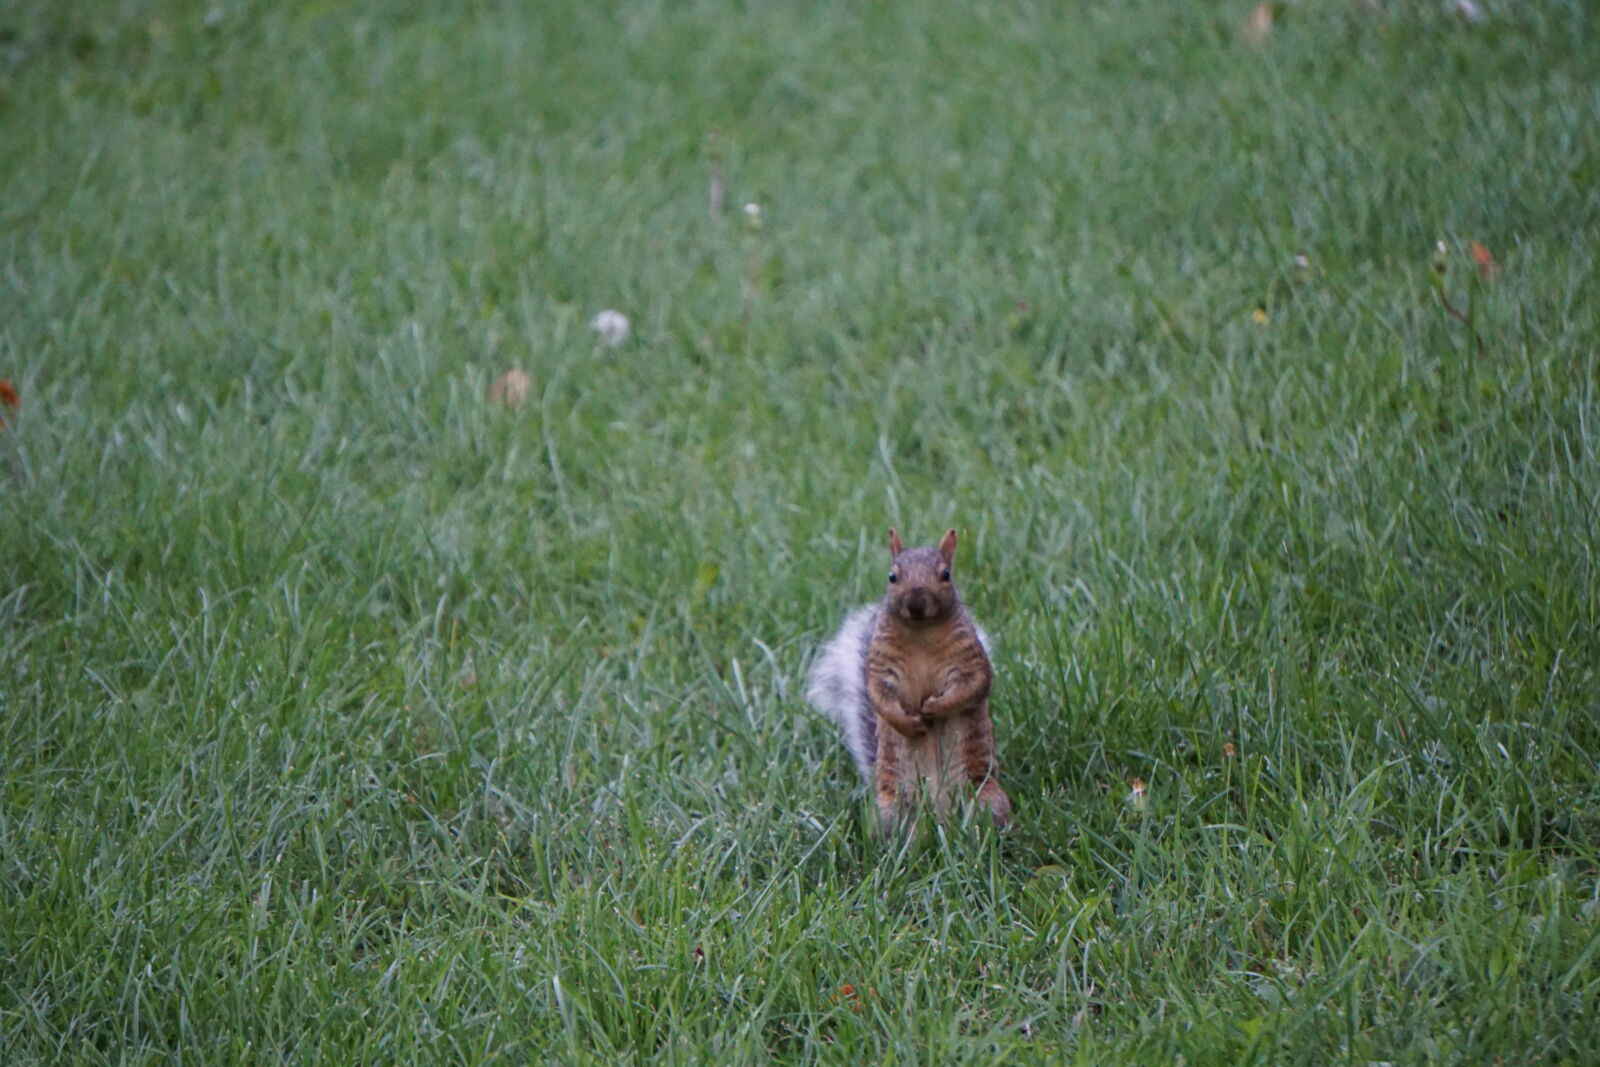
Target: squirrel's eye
944,575
893,577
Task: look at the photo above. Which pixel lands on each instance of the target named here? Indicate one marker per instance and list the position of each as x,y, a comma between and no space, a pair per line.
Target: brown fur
928,681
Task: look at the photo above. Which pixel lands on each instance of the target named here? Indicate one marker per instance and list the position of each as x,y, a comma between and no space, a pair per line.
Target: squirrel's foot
994,798
892,815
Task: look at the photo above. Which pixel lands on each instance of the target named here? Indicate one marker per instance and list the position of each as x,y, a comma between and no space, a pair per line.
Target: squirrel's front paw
910,726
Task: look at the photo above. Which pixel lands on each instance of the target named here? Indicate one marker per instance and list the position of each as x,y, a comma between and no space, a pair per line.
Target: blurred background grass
345,715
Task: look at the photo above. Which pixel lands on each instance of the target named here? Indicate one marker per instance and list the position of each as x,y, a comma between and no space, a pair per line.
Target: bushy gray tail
837,686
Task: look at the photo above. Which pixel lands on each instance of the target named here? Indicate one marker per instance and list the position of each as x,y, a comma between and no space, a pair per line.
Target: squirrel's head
921,588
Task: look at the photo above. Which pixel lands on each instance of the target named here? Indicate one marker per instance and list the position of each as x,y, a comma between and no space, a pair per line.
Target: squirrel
907,682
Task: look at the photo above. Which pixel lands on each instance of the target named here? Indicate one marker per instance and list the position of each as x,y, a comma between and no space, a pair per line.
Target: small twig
715,188
1460,316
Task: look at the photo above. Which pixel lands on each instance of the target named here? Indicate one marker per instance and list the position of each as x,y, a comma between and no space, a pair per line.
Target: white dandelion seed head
612,326
752,211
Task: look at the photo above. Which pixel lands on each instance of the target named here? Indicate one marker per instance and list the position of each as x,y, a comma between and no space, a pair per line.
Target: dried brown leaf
1487,267
511,388
1257,25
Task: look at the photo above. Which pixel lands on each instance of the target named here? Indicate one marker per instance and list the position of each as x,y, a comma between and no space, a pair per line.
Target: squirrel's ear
896,546
947,546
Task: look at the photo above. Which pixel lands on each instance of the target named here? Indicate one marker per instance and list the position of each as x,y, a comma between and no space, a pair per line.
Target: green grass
345,717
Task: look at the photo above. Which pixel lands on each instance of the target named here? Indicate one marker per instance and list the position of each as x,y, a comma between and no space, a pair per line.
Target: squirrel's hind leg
983,769
889,780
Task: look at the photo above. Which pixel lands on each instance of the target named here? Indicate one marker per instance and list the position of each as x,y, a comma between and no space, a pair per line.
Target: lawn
348,715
